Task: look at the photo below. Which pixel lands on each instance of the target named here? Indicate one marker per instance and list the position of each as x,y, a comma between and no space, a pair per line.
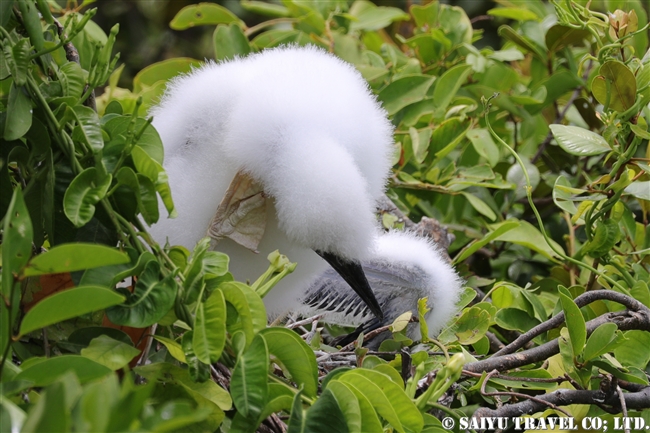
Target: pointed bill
352,273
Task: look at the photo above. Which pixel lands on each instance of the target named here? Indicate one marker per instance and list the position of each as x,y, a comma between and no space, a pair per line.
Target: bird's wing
394,287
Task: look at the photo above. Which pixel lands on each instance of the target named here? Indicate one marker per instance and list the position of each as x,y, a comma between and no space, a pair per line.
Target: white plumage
304,125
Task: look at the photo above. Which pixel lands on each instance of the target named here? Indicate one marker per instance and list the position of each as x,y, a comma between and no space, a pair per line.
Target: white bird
304,125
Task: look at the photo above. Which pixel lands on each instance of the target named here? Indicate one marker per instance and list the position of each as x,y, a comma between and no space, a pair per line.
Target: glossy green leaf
202,14
480,206
173,347
447,136
405,91
387,398
515,319
19,113
144,191
89,130
639,189
16,240
560,36
599,341
148,77
256,307
67,304
71,76
615,86
295,355
12,417
210,328
508,33
606,235
530,237
17,58
348,404
49,370
519,14
230,42
50,413
370,422
263,8
111,353
370,17
496,231
484,145
325,416
235,296
472,325
249,383
169,373
152,169
579,141
74,257
152,298
575,322
82,195
447,86
563,195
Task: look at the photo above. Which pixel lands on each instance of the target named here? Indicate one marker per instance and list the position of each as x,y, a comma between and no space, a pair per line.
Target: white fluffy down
419,256
300,121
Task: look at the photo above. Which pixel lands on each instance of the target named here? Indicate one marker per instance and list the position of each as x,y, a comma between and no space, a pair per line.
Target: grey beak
352,273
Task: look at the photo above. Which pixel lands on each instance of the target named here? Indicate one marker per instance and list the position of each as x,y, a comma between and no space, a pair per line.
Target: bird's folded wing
241,215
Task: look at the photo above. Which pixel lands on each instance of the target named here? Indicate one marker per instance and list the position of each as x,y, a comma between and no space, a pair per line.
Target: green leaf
47,371
447,86
348,403
639,189
530,237
263,8
606,235
12,417
563,194
560,36
472,325
508,33
173,347
169,373
369,420
387,398
480,206
234,295
67,304
74,257
249,383
447,136
230,42
370,17
89,131
16,241
50,413
71,76
575,322
151,300
599,341
150,76
82,195
515,319
111,353
19,113
210,328
325,416
615,86
144,191
295,356
152,169
484,144
518,14
18,59
203,14
405,91
496,231
579,141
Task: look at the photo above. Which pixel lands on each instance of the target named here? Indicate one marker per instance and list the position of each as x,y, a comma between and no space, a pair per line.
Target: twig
564,397
621,399
517,394
305,321
581,301
369,336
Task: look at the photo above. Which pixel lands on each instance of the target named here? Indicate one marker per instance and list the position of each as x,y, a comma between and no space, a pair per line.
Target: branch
564,397
581,301
625,320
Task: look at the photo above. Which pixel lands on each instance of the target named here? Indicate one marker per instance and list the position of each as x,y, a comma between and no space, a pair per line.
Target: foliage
535,155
